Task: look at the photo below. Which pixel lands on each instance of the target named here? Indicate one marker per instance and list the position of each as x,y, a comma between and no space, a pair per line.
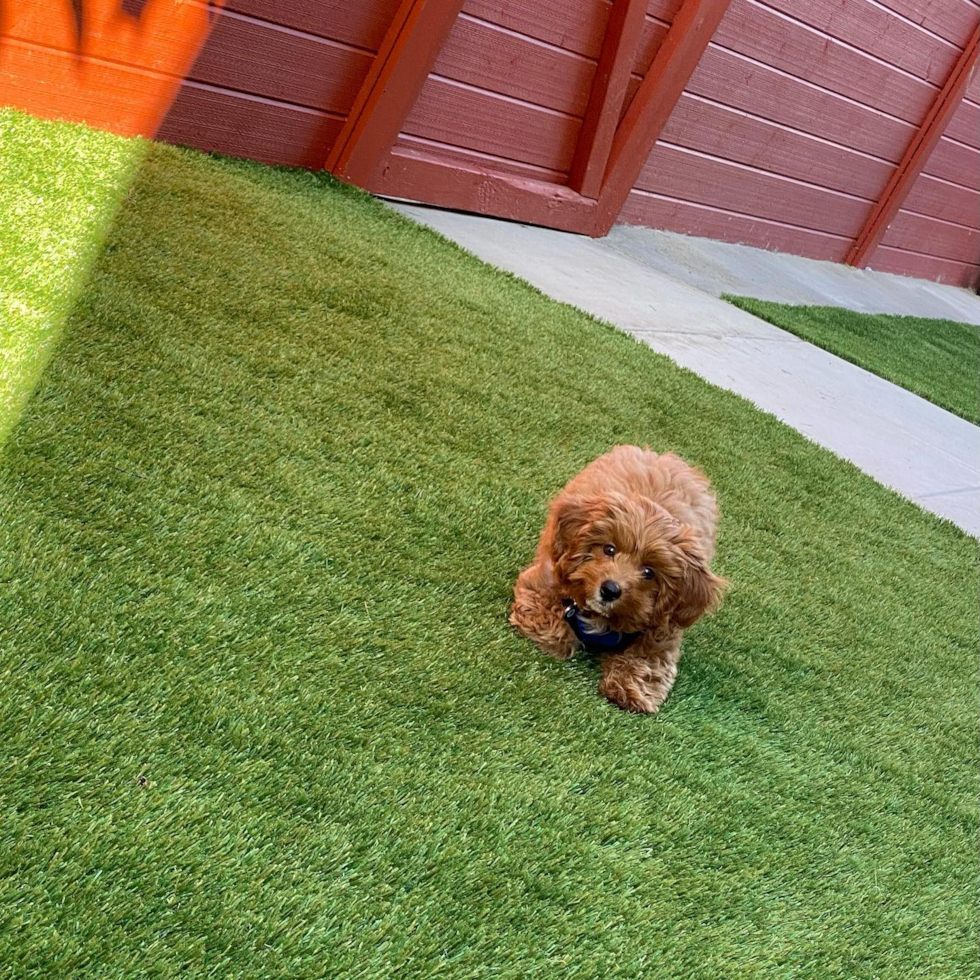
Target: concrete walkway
717,267
903,441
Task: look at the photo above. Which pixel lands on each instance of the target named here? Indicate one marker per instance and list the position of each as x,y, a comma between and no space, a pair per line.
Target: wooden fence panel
276,78
830,107
97,64
788,133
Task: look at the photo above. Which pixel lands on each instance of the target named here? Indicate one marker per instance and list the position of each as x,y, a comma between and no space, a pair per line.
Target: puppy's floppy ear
698,590
571,516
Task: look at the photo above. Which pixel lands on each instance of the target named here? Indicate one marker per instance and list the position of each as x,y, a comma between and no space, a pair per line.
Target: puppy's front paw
561,650
631,697
635,684
540,619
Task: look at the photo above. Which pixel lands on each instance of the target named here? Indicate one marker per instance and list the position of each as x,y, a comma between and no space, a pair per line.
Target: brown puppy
622,570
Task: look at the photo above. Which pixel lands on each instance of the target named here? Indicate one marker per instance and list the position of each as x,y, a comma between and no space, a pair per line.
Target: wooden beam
415,175
916,156
665,80
609,84
406,56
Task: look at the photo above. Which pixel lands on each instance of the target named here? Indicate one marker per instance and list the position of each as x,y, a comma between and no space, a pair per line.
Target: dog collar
607,642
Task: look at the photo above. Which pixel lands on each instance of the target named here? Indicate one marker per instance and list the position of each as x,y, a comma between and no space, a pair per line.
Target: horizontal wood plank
575,25
747,85
757,47
500,61
955,162
456,114
165,39
651,37
950,20
689,176
965,124
412,175
117,98
760,33
902,263
878,31
920,234
473,160
221,121
687,218
258,59
362,23
508,63
724,132
938,199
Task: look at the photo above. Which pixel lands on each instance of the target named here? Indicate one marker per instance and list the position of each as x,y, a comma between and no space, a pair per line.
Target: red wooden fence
835,129
114,65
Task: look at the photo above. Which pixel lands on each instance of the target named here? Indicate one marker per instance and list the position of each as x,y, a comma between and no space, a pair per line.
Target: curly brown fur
641,522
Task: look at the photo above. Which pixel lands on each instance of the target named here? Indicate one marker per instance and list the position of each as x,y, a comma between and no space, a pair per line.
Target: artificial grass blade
262,712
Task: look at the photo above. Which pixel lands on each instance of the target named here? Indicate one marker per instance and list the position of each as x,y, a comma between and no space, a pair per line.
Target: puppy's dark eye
647,572
609,549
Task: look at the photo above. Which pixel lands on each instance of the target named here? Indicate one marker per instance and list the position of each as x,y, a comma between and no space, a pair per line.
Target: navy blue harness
608,642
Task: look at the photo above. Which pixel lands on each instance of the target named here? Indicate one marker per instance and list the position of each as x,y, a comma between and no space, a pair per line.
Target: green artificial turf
59,189
263,716
937,359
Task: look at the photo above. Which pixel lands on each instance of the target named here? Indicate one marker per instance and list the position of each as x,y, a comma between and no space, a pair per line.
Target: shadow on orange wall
114,64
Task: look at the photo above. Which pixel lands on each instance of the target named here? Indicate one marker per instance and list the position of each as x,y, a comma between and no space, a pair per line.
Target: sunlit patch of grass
60,187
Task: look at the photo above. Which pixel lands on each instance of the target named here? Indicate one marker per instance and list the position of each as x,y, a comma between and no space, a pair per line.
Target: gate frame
612,146
610,151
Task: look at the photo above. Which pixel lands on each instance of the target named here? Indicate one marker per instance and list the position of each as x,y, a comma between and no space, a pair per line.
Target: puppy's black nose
610,591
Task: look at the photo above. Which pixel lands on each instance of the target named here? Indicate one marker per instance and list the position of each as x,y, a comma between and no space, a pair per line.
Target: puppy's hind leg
537,612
